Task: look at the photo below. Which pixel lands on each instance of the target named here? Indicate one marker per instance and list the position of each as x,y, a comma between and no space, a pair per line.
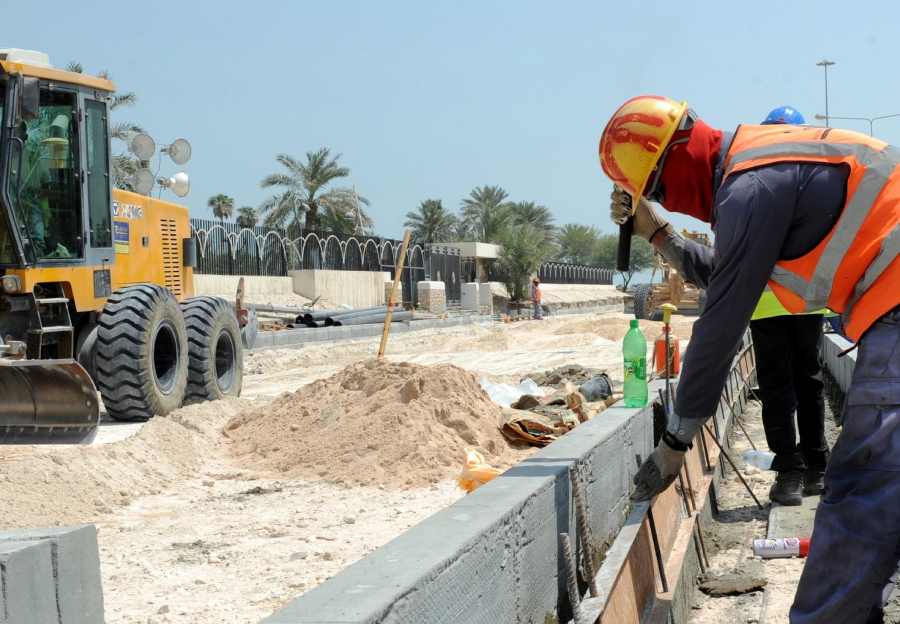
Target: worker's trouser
789,371
855,547
537,309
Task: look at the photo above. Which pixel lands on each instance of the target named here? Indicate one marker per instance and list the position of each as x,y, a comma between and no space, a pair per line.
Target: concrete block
29,589
76,565
485,296
469,296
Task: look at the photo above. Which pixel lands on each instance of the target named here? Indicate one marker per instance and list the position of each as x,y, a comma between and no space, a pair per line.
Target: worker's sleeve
755,211
692,260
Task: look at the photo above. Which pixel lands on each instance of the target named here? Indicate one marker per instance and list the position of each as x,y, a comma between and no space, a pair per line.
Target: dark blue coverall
783,211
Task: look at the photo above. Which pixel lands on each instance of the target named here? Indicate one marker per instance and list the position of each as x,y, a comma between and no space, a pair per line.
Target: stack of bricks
432,297
388,287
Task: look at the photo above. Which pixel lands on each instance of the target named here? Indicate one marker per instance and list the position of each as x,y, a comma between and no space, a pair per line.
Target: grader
96,283
672,288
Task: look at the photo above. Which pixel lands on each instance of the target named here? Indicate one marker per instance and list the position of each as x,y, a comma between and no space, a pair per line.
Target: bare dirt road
188,536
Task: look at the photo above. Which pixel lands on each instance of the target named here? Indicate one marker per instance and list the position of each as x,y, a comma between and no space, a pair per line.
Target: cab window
98,173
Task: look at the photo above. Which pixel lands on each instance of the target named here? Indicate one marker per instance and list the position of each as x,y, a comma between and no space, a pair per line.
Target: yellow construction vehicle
97,283
648,298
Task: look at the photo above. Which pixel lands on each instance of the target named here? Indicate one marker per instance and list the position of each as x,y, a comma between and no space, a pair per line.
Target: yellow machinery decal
121,232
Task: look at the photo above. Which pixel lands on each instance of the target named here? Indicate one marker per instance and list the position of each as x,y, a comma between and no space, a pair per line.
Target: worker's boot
813,481
788,488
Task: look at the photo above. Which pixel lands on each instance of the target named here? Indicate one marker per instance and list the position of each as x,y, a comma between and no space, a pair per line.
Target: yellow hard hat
635,139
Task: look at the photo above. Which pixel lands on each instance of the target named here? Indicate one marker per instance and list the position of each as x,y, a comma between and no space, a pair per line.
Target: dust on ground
185,530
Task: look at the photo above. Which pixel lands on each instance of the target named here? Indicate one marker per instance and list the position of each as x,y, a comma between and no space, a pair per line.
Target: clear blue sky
429,99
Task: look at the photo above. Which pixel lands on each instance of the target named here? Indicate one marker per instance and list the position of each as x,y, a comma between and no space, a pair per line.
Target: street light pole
825,64
871,120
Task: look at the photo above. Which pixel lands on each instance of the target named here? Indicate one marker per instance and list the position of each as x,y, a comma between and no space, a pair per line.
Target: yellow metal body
59,75
148,235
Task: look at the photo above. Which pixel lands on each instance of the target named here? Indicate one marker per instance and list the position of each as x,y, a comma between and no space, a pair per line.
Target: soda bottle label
635,368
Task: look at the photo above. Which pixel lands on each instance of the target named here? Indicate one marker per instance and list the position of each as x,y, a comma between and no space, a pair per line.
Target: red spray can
781,547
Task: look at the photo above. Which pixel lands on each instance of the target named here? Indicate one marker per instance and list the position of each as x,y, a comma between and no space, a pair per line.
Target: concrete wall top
430,285
487,251
253,285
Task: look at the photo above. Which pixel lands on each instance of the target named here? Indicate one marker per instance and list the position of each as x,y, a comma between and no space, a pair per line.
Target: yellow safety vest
769,306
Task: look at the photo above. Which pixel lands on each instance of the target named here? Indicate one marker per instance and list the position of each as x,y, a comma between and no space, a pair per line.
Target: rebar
705,450
586,544
739,422
572,579
659,559
732,464
684,497
687,474
702,542
703,567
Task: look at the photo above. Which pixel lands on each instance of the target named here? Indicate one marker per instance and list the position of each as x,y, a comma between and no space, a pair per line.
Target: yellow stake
667,309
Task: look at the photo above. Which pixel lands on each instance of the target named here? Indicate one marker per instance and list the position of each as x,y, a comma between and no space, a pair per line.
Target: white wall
253,285
359,289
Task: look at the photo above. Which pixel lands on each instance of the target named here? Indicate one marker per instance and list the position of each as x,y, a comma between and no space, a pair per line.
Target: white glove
658,472
647,221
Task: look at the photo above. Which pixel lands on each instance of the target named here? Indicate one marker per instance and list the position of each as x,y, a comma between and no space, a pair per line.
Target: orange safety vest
855,269
537,293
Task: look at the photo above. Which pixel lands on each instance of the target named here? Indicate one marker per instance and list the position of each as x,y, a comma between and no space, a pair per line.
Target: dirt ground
186,536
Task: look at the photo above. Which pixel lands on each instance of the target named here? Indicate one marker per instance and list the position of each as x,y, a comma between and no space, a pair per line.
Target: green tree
538,216
123,163
486,213
577,243
222,206
607,249
431,222
247,217
305,188
523,250
342,221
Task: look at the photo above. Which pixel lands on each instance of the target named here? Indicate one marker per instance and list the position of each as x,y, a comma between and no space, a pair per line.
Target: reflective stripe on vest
838,272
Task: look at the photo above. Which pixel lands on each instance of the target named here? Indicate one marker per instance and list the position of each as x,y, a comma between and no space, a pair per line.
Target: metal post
740,476
659,559
825,64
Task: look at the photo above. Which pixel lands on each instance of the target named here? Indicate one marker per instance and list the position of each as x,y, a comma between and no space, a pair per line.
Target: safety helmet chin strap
655,191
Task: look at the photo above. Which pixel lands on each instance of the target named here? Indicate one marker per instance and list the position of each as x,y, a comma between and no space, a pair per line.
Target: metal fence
228,249
562,273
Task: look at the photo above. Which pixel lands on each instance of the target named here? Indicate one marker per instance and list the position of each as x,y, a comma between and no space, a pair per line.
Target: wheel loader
672,288
96,283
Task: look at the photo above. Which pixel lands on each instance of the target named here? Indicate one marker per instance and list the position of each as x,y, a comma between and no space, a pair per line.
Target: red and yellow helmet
635,139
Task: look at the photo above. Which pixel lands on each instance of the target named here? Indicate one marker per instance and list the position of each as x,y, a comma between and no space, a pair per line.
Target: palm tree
431,222
304,190
222,206
487,212
527,212
523,250
247,217
577,243
123,163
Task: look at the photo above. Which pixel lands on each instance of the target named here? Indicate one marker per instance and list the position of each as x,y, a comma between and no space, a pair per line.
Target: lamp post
825,64
350,216
871,120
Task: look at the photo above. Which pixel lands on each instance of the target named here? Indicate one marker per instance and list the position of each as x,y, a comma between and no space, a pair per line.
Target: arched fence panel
563,273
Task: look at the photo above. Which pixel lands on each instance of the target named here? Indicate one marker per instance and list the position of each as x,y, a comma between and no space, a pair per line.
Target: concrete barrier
841,368
51,575
253,285
360,289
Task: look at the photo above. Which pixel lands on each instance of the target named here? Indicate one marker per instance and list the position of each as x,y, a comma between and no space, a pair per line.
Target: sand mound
614,328
75,484
397,424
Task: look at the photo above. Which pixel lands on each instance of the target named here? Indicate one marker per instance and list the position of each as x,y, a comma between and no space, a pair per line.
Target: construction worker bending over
815,214
536,298
789,369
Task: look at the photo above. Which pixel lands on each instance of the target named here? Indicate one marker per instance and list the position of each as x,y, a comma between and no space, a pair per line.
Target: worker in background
789,369
814,213
536,298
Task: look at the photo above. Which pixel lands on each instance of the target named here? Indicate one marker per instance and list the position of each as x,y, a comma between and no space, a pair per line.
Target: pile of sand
75,484
614,328
375,422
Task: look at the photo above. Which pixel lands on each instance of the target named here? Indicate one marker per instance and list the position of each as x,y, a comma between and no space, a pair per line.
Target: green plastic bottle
634,348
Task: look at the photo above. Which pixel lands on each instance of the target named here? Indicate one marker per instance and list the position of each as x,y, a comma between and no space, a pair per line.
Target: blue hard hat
784,115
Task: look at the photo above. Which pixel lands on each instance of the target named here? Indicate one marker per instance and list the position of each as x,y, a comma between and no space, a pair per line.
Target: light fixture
11,283
821,117
141,181
178,183
350,215
179,151
142,146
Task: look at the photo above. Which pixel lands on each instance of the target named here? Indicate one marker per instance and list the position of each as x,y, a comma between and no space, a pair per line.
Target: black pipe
320,315
374,318
623,258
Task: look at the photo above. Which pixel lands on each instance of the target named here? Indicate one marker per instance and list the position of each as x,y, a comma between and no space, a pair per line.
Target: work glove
647,221
660,469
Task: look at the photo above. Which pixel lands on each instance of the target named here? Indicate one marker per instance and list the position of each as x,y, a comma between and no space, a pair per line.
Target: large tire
215,352
142,353
642,301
